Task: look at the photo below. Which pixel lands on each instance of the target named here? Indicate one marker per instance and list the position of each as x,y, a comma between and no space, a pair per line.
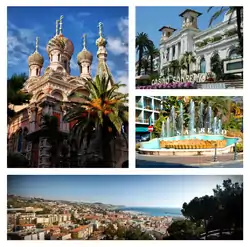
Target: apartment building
147,112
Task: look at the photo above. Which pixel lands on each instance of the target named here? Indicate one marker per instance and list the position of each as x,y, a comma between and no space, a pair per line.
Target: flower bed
174,85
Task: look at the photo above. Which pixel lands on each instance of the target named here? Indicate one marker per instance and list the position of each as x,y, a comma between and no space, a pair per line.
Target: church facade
50,93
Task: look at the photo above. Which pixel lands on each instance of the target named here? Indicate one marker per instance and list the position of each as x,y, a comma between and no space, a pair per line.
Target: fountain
209,127
201,120
191,118
163,133
173,138
219,127
173,121
181,120
168,127
215,126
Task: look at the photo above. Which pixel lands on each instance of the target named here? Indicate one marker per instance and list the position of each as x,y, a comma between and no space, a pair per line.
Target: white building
220,39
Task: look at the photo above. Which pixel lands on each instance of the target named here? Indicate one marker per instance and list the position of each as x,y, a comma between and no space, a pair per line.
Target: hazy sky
128,190
151,19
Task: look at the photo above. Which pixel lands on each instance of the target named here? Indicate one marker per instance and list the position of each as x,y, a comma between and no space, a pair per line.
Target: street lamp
215,152
235,152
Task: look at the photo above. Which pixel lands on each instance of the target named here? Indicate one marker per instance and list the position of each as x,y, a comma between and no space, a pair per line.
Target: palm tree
239,19
152,53
15,94
142,44
101,114
187,60
176,67
145,65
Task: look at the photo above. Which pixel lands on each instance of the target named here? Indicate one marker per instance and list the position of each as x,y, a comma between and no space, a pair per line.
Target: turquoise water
155,143
173,212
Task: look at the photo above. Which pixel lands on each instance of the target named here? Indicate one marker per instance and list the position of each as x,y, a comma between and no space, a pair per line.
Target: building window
37,71
58,57
234,54
65,64
203,65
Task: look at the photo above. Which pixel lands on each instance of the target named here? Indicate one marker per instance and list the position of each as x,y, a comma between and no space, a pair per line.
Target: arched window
37,71
65,64
58,57
57,95
233,54
203,65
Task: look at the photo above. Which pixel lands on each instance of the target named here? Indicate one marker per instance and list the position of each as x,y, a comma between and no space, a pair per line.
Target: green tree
145,65
15,94
152,52
142,44
100,115
239,19
183,230
200,210
187,60
176,67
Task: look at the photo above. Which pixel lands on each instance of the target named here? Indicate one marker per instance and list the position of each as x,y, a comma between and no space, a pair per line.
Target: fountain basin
189,145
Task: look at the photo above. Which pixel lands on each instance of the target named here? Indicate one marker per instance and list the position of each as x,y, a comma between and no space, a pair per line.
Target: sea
172,212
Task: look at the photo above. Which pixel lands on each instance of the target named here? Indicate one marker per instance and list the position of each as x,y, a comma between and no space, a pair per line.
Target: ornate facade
50,93
220,39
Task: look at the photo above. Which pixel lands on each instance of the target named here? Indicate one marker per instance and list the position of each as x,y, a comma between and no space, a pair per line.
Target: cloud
119,45
21,44
121,76
74,65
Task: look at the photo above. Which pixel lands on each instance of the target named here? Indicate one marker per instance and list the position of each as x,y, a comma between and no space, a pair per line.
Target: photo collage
92,155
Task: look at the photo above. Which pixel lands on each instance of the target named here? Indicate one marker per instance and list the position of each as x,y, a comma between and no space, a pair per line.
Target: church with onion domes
51,92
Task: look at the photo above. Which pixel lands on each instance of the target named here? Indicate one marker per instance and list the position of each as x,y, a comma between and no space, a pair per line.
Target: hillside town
40,219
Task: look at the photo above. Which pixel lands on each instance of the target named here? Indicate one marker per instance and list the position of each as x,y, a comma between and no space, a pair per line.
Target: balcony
143,121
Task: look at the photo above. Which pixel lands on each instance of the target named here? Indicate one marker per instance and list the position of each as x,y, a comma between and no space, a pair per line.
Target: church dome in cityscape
84,56
61,43
36,59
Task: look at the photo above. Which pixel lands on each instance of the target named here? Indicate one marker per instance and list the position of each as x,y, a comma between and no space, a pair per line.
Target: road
224,161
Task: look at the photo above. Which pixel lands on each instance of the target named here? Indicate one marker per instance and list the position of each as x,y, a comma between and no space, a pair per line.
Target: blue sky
151,19
25,23
128,190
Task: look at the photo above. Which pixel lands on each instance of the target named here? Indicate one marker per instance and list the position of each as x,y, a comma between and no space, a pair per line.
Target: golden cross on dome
100,26
37,40
57,22
61,18
84,41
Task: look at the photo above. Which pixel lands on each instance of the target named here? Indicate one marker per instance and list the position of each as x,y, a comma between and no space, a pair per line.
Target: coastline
153,212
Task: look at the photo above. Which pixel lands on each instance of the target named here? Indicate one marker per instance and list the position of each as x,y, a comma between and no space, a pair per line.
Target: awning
141,129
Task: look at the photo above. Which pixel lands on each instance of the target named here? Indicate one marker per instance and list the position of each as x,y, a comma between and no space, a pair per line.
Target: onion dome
36,58
60,42
84,55
101,41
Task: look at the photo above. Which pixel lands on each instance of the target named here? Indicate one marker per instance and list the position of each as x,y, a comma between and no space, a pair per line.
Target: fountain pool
206,145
